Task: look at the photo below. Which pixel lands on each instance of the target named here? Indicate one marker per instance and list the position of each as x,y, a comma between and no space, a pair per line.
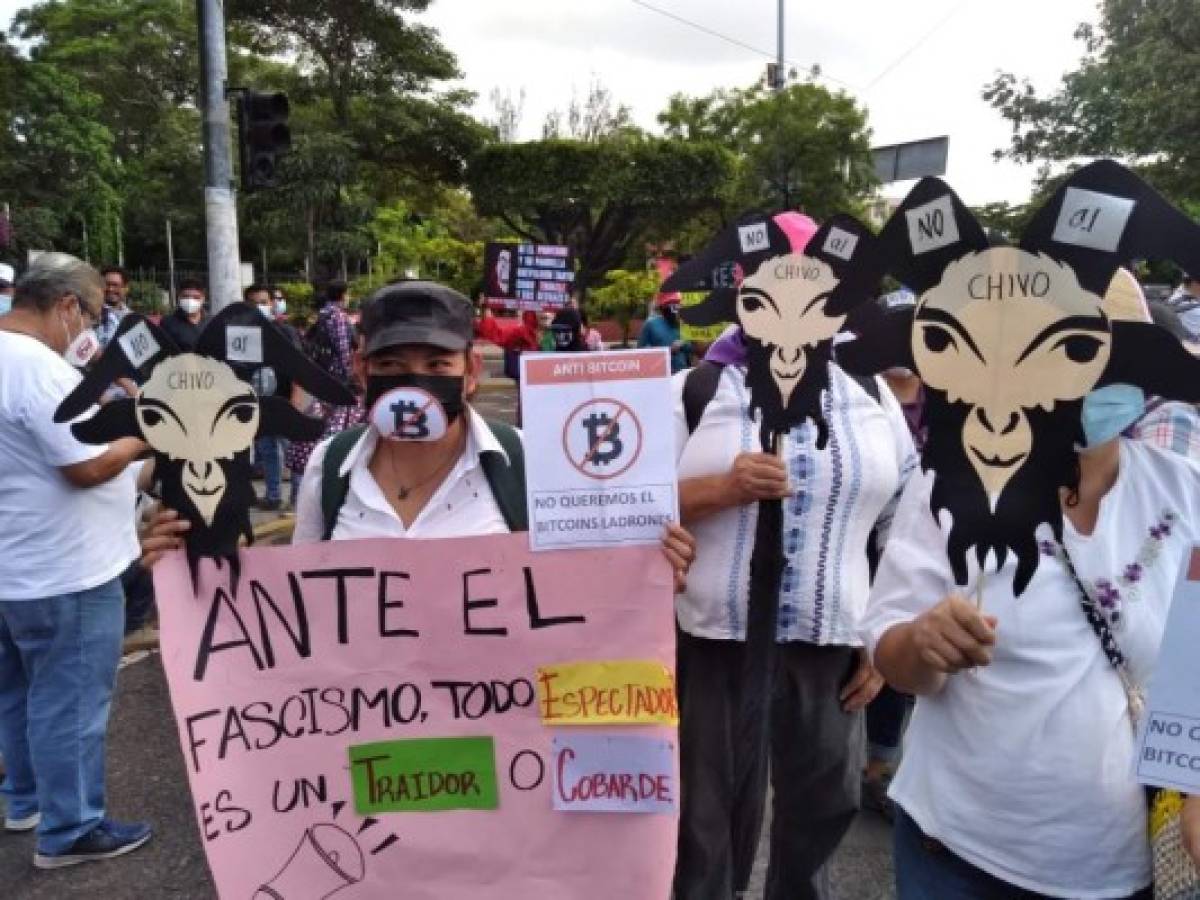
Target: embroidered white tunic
842,492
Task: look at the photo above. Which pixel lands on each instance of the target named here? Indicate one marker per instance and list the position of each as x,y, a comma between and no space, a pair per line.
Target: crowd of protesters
966,826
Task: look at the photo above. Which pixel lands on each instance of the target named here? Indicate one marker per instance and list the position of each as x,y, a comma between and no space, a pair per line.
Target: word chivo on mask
1002,285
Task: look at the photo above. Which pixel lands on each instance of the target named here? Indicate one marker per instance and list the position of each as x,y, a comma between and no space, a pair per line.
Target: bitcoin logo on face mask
410,420
603,432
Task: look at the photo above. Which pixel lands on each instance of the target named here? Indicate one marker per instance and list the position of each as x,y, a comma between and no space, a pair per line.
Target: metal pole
266,278
780,82
779,71
220,200
170,264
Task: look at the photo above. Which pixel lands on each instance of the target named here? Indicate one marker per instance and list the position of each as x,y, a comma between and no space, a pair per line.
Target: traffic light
264,137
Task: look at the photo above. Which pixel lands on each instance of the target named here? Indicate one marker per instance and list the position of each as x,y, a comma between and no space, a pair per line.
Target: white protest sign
1169,734
600,447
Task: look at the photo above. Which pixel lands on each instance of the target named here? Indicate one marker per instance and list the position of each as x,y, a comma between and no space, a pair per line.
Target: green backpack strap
334,485
507,479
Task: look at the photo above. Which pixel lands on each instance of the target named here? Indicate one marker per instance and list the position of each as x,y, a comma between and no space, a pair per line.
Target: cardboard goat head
200,415
790,286
1010,340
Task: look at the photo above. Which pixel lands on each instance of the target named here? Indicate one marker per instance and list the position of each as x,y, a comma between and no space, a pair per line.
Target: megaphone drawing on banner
326,860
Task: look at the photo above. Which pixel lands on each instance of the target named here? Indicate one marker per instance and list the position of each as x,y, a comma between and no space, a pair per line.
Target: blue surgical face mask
1108,411
5,303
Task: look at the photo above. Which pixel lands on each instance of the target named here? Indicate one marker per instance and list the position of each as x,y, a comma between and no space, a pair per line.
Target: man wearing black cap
425,465
422,465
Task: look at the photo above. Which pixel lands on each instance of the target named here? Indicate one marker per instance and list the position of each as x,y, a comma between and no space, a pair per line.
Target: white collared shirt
462,506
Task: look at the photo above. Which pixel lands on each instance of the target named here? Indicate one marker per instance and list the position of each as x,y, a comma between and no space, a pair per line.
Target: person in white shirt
1018,767
66,534
837,501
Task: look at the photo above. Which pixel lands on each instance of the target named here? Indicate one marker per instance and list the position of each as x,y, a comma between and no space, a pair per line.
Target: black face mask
670,315
446,389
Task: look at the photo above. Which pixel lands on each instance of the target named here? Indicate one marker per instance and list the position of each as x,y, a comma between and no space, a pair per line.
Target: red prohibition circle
622,408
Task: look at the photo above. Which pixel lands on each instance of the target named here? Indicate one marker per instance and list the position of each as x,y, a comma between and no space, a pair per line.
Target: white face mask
265,309
280,307
82,348
190,305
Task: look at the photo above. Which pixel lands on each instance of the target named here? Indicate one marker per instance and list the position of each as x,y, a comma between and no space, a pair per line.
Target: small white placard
753,237
600,448
932,225
139,344
243,343
840,243
1168,745
1091,219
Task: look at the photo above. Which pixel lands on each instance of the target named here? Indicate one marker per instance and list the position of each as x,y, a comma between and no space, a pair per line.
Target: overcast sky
918,66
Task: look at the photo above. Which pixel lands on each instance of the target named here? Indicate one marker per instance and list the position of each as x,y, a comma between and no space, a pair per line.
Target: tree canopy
388,172
599,198
1134,95
802,148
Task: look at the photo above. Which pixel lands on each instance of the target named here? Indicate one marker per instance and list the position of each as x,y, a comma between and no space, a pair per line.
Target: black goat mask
199,417
789,300
1010,340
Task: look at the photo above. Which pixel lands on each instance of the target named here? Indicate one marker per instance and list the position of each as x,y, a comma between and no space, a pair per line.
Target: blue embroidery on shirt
835,490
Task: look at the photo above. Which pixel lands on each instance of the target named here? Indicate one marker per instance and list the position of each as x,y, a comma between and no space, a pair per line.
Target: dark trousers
926,870
885,724
815,766
138,586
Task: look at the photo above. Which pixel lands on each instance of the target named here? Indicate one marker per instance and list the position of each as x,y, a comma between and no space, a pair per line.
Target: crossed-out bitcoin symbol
602,438
602,431
411,421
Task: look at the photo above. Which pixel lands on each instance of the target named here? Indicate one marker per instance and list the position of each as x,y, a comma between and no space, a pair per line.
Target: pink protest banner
362,718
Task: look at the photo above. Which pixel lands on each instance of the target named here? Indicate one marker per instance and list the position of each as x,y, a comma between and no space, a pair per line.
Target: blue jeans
267,451
58,664
926,870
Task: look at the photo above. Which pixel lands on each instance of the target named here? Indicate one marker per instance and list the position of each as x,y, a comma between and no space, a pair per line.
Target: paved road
147,780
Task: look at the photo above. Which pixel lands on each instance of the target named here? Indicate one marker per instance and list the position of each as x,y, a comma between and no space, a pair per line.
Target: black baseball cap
417,312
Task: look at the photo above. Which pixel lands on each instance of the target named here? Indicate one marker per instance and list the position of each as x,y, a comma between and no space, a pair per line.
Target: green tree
57,169
138,59
1135,95
599,198
366,77
800,148
624,296
411,242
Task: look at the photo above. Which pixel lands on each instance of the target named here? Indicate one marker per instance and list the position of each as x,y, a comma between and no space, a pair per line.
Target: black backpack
506,479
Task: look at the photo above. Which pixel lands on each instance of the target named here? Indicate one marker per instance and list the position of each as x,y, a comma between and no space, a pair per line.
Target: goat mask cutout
200,415
789,300
1010,340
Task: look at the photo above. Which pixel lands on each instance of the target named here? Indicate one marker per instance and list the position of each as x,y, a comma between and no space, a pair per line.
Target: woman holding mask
1023,595
1018,767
